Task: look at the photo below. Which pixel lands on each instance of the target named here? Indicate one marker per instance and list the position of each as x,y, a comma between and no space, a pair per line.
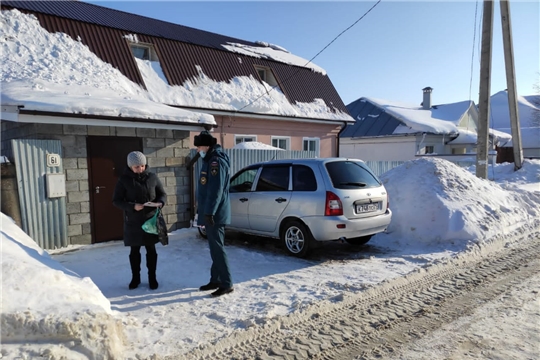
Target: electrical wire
473,45
310,60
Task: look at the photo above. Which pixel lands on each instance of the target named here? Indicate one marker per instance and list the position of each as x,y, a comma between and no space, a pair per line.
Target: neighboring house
177,81
529,121
391,131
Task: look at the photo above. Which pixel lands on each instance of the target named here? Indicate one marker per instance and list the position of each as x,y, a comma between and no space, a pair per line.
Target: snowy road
398,318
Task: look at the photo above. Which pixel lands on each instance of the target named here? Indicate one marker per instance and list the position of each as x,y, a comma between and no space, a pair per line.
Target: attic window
144,52
266,75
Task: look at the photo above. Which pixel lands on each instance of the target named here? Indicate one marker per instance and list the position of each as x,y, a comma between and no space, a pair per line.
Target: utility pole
511,84
485,86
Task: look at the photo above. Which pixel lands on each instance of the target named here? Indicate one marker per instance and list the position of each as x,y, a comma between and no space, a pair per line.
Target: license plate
365,208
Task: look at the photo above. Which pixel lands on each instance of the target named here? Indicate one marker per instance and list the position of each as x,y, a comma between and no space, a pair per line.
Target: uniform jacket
213,188
134,189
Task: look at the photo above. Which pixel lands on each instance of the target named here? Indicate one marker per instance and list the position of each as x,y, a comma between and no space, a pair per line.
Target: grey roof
371,120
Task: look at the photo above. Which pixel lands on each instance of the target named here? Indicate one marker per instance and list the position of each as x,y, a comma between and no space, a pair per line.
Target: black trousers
219,272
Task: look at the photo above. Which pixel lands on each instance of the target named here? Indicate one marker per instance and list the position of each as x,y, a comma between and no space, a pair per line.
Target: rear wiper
361,184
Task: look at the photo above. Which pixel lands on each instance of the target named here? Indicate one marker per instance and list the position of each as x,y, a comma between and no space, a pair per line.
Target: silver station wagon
306,201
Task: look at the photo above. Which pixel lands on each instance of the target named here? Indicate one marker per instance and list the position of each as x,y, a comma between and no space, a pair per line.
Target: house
529,121
392,131
167,82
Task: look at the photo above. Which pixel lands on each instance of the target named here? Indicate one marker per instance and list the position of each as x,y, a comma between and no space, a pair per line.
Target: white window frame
287,141
243,138
317,144
152,55
266,75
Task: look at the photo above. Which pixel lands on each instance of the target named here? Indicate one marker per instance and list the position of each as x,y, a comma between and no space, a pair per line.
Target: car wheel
362,240
296,238
202,232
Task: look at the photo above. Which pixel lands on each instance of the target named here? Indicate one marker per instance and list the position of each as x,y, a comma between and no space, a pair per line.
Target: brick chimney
426,104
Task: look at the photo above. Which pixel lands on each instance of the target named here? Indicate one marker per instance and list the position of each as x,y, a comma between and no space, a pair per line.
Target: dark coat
213,188
134,189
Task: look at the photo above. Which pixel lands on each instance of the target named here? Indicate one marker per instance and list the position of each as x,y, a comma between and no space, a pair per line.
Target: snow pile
255,145
89,329
446,204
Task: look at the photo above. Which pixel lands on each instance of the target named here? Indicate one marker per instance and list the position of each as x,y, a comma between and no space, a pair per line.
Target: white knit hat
136,158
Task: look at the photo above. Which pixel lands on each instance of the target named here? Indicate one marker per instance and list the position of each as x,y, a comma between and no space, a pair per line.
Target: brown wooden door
106,163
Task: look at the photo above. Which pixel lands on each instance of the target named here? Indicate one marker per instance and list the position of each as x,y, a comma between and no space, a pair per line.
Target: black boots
209,286
135,262
151,264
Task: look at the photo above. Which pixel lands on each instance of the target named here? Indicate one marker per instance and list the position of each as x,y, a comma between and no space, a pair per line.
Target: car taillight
333,205
387,201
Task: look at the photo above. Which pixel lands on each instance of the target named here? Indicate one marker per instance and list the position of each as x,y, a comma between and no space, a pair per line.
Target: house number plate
53,160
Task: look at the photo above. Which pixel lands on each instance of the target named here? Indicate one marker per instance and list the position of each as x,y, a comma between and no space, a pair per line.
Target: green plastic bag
150,225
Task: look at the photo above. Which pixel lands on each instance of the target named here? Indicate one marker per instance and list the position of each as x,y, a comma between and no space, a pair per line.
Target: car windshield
351,175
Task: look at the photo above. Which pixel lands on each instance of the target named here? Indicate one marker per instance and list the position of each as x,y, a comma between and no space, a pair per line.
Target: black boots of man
151,264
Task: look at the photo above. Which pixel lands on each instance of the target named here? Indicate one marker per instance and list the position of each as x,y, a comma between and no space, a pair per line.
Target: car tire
362,240
202,232
297,238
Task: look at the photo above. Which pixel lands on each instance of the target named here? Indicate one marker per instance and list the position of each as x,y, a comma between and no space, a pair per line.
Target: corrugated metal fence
241,158
43,218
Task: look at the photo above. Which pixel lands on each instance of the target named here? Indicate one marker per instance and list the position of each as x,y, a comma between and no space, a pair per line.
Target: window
312,144
281,142
266,75
273,178
244,138
242,181
144,51
429,150
351,175
304,179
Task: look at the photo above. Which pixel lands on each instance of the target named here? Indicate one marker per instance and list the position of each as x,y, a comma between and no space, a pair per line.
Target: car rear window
351,175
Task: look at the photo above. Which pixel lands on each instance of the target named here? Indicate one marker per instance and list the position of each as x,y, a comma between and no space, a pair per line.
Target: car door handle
244,199
280,200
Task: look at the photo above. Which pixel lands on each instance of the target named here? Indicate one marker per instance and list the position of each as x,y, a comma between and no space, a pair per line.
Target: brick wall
166,152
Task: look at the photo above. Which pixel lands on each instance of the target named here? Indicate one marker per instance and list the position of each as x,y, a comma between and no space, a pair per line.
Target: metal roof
371,120
99,15
181,50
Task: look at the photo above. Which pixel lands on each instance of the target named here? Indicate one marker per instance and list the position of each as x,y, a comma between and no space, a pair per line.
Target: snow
255,145
73,303
440,119
53,72
81,291
273,52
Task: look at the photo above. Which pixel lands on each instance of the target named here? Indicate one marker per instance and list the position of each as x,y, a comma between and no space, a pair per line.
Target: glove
209,220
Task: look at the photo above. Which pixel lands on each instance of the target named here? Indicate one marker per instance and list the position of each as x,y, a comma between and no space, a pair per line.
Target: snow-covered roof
273,52
53,72
255,145
440,119
530,137
528,109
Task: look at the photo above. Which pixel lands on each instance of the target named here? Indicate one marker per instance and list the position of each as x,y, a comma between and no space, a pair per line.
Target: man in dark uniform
214,209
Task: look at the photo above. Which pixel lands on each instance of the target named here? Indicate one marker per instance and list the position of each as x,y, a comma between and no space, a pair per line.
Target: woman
136,187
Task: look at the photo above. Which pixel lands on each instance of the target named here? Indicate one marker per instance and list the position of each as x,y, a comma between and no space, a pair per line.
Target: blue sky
399,48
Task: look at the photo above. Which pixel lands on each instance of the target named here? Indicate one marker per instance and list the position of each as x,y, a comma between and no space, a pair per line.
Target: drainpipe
338,136
190,168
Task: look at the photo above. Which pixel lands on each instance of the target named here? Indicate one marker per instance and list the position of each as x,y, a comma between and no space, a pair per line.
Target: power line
310,60
473,45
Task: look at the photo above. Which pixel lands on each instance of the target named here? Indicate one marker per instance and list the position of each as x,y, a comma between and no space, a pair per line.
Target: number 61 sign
53,160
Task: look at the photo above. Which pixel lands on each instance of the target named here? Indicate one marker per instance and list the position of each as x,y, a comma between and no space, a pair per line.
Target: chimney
426,104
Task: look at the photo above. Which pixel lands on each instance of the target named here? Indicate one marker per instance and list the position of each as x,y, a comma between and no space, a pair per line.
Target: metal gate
43,217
